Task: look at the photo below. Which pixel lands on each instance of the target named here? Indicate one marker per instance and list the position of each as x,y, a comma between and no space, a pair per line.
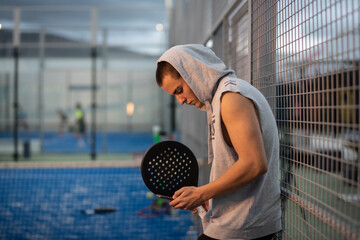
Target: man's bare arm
242,124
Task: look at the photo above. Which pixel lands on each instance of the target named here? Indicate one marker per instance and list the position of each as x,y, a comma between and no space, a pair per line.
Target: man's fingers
184,198
206,205
175,203
178,193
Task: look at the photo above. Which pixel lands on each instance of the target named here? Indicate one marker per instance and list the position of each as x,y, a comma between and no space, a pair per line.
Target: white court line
76,164
67,164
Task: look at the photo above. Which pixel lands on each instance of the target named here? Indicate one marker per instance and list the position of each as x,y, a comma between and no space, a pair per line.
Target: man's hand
205,205
188,198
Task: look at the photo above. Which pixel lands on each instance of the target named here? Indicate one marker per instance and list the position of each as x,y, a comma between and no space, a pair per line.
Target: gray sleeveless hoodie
254,210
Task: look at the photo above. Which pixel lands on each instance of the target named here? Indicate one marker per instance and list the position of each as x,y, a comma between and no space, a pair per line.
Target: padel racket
168,166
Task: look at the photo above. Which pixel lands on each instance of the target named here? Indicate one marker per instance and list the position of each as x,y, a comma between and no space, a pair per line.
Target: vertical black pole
16,103
8,102
93,105
41,88
104,87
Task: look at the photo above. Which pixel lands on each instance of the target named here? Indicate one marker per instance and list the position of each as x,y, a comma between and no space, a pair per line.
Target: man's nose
181,99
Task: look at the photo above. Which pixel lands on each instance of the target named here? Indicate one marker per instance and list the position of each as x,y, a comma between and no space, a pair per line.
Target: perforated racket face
168,166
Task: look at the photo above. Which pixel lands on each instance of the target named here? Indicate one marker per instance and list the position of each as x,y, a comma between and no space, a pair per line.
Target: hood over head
202,70
198,66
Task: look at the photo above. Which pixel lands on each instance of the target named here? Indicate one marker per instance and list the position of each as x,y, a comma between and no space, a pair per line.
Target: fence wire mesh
304,57
305,60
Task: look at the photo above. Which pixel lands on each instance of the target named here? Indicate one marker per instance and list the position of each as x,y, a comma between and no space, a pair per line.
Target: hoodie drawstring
209,121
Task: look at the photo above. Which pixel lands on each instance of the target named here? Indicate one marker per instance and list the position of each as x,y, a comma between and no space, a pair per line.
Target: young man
243,195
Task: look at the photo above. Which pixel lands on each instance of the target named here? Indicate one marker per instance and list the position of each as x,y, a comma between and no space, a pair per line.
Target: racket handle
164,197
201,211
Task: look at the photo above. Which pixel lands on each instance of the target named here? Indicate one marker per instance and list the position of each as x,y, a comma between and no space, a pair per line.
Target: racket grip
164,197
201,211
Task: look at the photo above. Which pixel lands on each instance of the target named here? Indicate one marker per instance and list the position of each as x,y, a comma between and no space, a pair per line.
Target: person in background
243,196
80,130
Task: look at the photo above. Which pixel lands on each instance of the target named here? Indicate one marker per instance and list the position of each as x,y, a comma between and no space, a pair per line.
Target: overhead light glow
159,27
0,26
130,107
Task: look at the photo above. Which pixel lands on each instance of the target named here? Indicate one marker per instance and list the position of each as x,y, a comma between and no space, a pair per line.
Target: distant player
80,133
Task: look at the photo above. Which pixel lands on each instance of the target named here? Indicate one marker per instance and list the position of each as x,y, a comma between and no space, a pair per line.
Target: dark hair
164,68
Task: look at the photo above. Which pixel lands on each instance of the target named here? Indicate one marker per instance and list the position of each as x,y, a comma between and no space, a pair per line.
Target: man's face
181,90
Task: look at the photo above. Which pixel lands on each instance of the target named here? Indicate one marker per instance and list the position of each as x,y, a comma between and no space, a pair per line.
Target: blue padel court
60,204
